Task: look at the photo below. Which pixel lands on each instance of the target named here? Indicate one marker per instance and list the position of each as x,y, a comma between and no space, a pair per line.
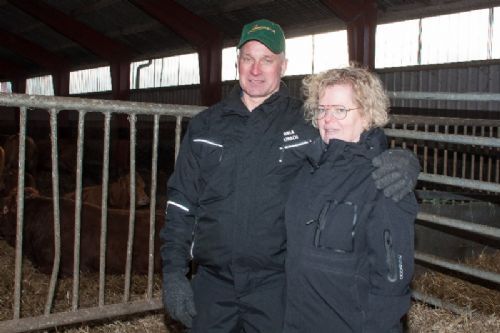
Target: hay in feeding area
483,303
483,317
34,295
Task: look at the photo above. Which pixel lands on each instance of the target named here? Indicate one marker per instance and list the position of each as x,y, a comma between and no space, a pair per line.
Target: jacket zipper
195,227
390,257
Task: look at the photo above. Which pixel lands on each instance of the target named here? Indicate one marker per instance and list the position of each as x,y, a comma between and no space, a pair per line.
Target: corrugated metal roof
126,24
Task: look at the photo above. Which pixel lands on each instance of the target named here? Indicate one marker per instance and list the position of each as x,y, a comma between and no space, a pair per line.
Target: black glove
178,298
397,172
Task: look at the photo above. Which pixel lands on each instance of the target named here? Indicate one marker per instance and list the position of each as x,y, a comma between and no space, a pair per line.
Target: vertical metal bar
78,210
152,206
131,223
426,148
393,140
472,157
104,208
57,221
497,172
455,155
464,156
435,151
415,145
445,154
403,145
20,212
481,158
178,131
490,160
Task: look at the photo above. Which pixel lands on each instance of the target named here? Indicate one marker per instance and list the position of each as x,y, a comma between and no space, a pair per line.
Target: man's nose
255,69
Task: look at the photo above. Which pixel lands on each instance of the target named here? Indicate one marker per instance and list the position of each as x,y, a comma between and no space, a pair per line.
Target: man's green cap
268,33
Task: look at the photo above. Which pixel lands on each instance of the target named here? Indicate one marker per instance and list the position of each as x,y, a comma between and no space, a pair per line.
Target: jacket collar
371,144
233,104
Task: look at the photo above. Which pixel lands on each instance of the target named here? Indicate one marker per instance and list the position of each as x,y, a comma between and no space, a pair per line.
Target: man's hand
397,172
178,298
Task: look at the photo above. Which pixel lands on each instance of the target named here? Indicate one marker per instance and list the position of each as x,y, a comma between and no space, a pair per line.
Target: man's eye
267,61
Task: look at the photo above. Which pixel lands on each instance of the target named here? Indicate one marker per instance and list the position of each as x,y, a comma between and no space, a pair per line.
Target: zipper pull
282,152
310,221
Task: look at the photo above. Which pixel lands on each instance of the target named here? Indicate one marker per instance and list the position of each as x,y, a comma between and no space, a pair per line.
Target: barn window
5,87
229,70
306,54
165,72
465,36
495,33
40,85
90,80
397,44
456,37
330,51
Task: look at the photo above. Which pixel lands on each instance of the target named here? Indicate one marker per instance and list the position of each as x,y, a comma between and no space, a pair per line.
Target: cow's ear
31,192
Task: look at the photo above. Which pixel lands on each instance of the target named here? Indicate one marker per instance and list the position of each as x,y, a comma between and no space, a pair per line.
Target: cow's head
119,192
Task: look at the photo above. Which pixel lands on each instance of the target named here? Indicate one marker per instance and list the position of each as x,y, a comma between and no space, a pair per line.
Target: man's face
260,71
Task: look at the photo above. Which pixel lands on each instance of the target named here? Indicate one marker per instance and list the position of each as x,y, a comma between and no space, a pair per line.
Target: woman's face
348,129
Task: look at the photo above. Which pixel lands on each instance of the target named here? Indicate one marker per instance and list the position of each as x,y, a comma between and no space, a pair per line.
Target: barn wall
480,77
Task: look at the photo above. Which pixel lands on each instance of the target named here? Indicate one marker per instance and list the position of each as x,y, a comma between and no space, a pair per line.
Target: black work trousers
249,303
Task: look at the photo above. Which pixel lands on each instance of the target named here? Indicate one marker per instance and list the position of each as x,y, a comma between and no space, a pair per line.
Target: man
227,194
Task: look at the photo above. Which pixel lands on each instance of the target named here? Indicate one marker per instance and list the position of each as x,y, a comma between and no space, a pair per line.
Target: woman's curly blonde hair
369,93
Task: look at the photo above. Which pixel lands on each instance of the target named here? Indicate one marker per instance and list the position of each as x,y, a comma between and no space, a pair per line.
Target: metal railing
450,164
406,137
82,106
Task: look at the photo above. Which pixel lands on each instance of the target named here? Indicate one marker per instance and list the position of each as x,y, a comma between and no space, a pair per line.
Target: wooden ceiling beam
10,70
193,28
360,17
92,40
32,51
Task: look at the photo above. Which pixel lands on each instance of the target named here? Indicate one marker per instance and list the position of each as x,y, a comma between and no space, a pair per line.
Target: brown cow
11,147
39,239
118,194
9,181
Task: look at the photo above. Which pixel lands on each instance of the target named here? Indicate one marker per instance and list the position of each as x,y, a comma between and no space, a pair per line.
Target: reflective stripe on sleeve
184,208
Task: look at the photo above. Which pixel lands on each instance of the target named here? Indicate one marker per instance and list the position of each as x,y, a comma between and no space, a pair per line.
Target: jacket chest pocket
292,151
211,153
336,226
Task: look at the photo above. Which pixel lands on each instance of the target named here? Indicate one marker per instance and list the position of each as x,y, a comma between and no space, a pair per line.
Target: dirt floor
483,304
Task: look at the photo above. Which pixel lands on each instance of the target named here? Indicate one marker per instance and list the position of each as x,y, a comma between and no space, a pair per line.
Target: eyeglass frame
336,108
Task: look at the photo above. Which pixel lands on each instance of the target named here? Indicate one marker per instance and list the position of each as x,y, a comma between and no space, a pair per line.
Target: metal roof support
198,32
32,51
10,70
60,81
210,59
97,43
361,19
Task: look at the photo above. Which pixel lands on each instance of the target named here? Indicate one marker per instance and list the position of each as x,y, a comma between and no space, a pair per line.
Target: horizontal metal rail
434,301
475,228
455,181
97,105
476,97
82,315
467,270
449,138
443,121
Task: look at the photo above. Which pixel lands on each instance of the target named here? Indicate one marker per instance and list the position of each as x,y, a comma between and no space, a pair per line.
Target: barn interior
49,37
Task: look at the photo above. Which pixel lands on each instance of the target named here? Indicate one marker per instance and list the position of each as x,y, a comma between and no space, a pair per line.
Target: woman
350,249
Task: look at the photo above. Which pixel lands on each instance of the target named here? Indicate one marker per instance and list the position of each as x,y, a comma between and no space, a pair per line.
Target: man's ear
284,65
